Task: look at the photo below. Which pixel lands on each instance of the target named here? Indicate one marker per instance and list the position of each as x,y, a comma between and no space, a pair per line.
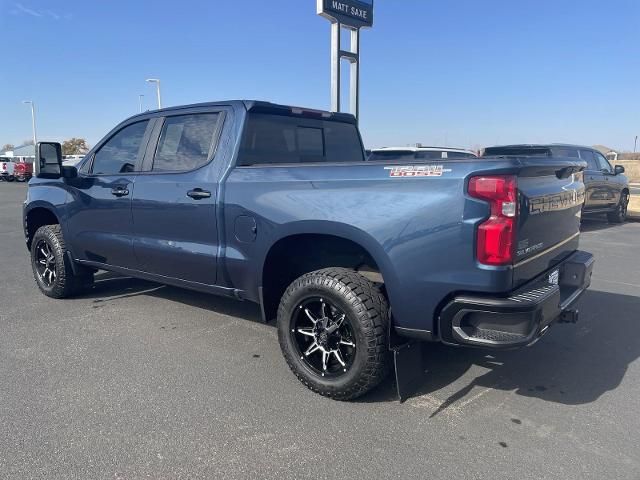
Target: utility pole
157,82
140,97
33,121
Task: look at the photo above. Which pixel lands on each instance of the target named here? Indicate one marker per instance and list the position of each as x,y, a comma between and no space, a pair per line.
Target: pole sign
349,13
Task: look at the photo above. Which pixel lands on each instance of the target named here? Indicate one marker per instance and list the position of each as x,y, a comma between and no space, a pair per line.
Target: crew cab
276,205
607,189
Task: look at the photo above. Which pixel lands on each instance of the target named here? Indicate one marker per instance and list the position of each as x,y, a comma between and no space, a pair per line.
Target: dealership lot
137,379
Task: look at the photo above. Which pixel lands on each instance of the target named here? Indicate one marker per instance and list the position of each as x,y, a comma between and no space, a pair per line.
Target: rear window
405,155
516,151
460,155
273,139
565,152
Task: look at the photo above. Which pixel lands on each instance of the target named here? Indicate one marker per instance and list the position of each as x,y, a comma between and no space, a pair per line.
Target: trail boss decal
417,171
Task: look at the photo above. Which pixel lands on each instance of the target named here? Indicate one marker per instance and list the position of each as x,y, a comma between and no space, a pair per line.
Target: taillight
496,236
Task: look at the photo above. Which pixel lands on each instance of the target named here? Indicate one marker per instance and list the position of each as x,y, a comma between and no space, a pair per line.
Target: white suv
419,153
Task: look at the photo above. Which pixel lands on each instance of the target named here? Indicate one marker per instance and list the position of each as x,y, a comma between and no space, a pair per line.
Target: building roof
24,151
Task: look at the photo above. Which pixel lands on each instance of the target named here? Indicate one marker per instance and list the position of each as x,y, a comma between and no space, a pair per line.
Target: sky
462,73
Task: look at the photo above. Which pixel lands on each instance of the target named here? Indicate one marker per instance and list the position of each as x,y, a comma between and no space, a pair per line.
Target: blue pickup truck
276,205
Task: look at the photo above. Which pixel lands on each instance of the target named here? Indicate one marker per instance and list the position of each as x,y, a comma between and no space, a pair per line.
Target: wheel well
296,255
36,218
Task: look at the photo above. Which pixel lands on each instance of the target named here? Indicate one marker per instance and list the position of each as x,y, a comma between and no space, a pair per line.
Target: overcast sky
462,73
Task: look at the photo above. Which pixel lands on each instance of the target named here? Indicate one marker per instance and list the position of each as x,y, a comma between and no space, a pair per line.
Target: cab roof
259,106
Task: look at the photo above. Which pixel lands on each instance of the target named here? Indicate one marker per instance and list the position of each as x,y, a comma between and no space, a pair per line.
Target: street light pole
33,121
140,101
157,82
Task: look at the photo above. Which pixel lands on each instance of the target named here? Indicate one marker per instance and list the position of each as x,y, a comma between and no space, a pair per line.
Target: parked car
23,171
7,168
72,160
276,205
607,189
418,153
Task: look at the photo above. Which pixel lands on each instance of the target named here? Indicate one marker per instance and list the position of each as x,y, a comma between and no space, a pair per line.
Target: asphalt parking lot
139,380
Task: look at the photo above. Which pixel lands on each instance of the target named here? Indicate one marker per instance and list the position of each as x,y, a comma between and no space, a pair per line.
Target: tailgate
551,194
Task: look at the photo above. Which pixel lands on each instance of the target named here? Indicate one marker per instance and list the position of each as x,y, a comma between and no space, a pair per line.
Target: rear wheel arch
296,254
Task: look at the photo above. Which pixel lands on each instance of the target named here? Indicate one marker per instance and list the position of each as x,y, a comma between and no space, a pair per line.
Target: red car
23,171
11,170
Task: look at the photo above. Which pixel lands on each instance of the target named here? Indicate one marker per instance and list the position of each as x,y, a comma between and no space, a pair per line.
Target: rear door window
589,157
603,163
278,139
186,142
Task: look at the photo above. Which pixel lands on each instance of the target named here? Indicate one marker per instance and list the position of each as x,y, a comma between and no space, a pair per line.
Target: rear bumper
522,317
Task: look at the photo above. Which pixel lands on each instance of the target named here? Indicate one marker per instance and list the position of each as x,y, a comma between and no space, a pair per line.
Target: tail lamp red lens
496,236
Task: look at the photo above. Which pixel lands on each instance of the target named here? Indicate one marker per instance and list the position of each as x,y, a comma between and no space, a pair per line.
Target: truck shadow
572,364
110,286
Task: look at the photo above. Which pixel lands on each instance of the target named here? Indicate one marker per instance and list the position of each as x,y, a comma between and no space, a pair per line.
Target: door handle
120,191
198,194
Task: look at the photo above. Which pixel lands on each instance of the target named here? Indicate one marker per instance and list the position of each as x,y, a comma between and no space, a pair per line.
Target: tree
75,146
7,146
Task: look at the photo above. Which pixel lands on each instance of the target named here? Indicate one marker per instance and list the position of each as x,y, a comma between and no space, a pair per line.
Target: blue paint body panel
420,231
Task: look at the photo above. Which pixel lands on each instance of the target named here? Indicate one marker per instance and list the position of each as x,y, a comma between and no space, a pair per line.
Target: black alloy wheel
323,336
45,263
333,327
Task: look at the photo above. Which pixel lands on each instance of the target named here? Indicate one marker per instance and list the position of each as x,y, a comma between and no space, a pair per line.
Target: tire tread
357,290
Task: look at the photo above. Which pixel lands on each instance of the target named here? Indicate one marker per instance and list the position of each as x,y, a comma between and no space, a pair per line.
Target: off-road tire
368,313
66,283
619,215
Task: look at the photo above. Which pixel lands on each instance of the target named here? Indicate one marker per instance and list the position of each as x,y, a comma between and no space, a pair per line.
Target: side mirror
48,160
69,172
618,169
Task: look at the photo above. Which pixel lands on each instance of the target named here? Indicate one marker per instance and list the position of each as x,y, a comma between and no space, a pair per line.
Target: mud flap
407,363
